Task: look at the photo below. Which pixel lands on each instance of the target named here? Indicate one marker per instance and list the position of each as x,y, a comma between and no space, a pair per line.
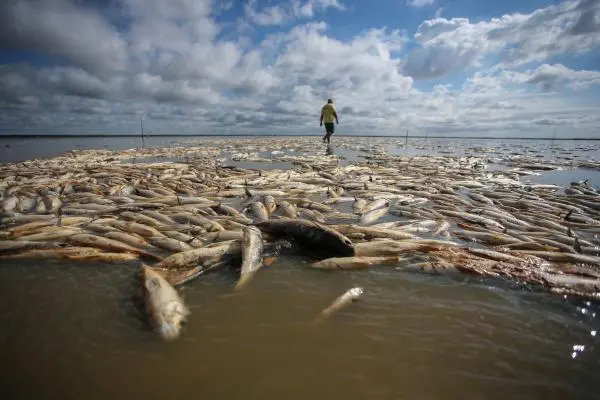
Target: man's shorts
329,127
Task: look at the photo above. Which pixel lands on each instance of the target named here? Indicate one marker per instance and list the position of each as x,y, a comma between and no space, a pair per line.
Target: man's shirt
328,112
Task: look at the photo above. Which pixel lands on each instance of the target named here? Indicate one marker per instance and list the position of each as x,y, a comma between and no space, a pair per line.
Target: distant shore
12,136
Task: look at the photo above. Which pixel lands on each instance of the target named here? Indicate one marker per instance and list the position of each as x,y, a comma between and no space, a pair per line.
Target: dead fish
72,253
164,305
376,204
195,257
373,215
170,244
354,262
20,245
391,247
223,236
134,227
370,232
312,215
209,225
259,210
100,242
312,233
252,255
288,209
9,203
350,296
52,233
132,240
270,204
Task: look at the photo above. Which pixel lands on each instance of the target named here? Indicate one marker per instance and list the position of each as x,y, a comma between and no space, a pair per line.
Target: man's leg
330,129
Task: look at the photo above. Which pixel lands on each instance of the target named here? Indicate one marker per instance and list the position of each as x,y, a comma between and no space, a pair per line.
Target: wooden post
142,128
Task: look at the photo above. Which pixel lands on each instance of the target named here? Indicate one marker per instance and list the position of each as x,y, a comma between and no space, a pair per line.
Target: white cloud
60,28
449,46
284,13
190,73
419,3
549,77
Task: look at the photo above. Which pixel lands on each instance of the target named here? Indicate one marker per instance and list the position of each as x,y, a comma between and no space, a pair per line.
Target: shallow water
74,331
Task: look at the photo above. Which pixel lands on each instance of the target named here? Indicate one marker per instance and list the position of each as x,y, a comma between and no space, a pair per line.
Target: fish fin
586,181
569,231
370,178
259,172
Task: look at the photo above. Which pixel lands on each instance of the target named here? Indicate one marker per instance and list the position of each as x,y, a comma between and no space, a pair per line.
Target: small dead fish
350,296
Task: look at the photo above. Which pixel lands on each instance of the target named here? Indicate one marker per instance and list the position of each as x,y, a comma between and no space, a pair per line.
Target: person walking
328,115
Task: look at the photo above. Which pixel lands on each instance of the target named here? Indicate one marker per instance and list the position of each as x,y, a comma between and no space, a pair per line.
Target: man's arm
321,119
336,118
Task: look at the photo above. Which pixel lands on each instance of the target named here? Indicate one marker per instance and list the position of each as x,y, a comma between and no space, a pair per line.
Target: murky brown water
74,331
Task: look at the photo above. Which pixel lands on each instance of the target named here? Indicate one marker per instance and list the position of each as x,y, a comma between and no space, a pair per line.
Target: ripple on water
406,331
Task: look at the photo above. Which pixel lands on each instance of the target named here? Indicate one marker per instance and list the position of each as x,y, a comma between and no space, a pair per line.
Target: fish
345,299
252,255
186,218
371,232
259,210
7,246
311,233
199,256
375,204
392,248
288,209
170,244
134,227
373,215
130,239
165,307
312,215
348,263
270,204
85,239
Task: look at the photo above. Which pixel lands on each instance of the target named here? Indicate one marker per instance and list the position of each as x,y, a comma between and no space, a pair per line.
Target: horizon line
12,136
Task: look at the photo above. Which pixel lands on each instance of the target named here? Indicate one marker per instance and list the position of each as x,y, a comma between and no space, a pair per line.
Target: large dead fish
192,258
354,262
252,255
85,239
165,308
309,232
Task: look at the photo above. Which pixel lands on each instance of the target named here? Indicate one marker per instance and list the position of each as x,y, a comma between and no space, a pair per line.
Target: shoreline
32,136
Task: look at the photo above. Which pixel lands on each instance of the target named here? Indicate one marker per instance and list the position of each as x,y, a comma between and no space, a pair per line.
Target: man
328,115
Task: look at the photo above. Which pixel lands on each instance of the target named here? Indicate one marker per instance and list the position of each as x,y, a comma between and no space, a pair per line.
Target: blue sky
437,67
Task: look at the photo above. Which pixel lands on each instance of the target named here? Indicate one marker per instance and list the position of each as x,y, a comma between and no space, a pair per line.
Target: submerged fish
252,254
164,305
350,296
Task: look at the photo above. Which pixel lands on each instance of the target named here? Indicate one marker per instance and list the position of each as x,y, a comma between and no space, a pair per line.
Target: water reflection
329,150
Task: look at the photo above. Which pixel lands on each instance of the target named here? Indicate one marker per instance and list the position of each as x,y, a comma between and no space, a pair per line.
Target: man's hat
329,101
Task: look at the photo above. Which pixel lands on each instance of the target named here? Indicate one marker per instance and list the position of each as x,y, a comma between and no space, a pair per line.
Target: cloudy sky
436,67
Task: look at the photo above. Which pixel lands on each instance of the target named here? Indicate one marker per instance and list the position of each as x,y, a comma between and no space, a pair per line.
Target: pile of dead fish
432,214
